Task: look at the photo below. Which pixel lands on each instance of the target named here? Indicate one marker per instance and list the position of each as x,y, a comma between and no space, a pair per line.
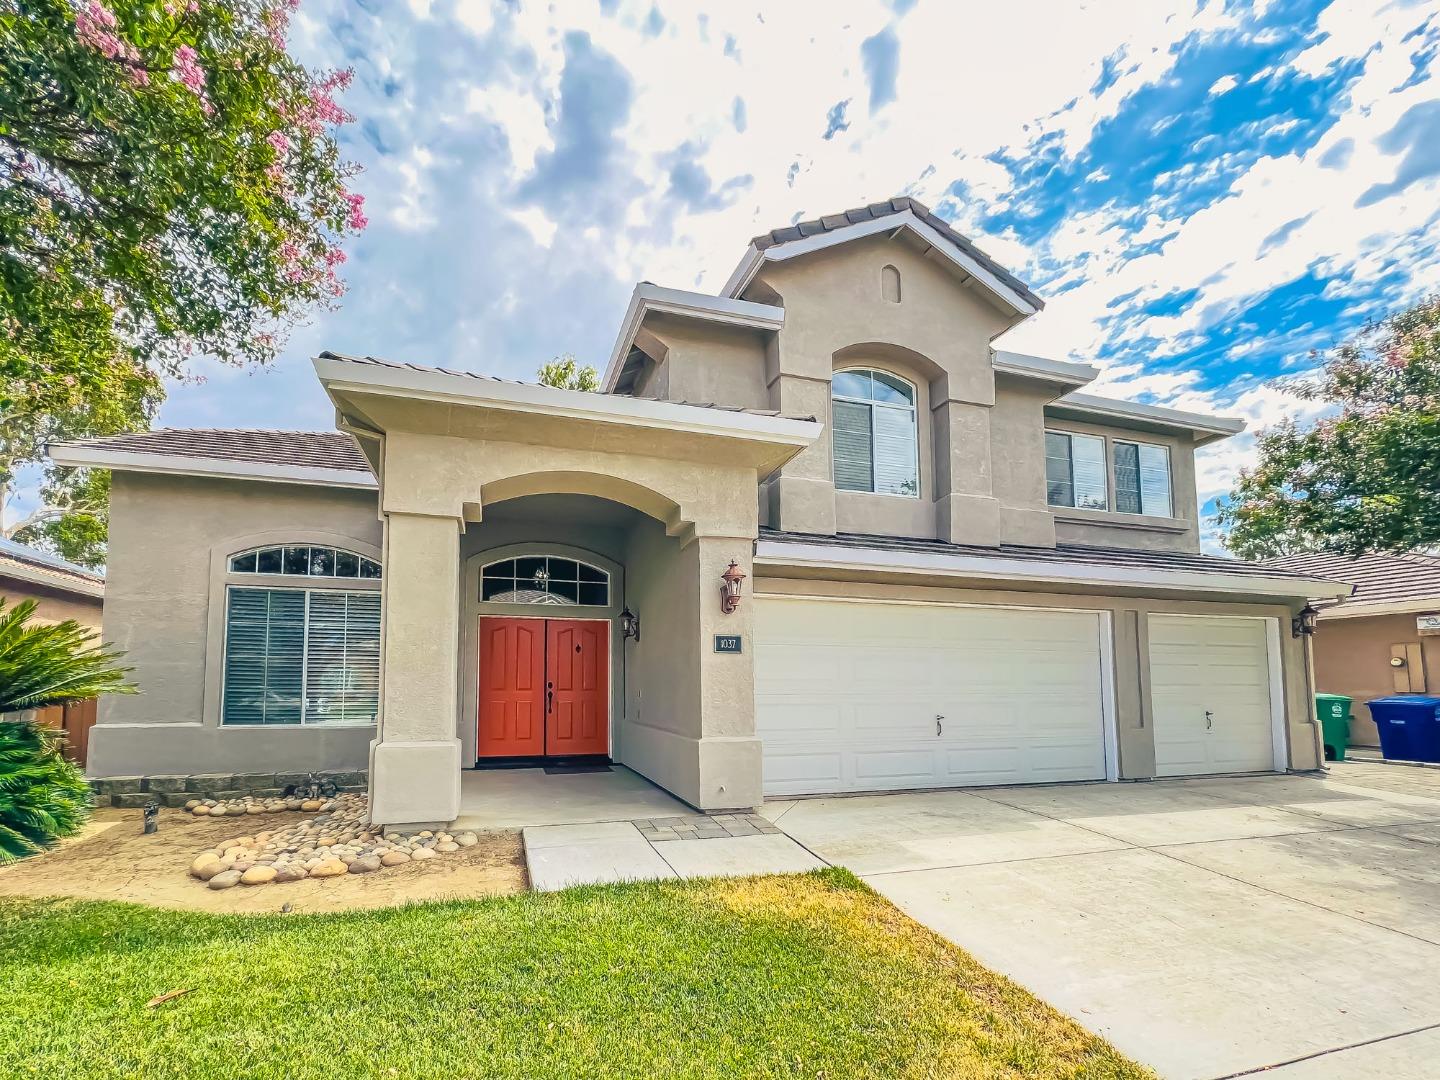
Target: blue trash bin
1409,727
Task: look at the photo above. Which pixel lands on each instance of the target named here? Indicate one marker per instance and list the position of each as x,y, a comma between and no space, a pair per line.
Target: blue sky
1203,193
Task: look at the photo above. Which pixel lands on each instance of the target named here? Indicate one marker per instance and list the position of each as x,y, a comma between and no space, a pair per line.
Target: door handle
938,727
549,697
1209,719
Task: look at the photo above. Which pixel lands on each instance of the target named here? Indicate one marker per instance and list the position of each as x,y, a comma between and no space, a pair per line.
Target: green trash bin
1333,712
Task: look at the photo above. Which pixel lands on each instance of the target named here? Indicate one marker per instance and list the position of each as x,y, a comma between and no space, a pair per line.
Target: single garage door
879,697
1210,693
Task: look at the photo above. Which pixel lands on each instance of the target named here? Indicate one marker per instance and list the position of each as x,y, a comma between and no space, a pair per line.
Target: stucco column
966,511
730,760
802,495
415,758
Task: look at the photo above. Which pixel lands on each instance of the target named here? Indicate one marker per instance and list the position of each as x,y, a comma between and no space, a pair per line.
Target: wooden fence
75,720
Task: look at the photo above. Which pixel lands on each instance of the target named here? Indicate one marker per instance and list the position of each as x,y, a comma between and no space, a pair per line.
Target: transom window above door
304,561
545,579
874,433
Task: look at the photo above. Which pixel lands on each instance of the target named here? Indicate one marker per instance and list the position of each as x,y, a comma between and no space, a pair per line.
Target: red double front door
544,688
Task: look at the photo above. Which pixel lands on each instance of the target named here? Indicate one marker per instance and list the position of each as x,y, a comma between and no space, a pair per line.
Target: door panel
1210,695
878,697
512,688
578,677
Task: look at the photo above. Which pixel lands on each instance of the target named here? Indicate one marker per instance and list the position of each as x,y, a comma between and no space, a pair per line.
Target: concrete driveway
1207,927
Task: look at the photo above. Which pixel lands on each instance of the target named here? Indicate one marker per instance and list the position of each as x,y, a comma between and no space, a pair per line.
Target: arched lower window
304,561
874,433
545,579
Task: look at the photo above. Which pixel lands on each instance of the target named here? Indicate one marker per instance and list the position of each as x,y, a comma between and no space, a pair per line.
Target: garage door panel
1218,666
1019,690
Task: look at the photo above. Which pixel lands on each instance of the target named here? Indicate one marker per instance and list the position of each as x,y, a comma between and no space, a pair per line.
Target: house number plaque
728,643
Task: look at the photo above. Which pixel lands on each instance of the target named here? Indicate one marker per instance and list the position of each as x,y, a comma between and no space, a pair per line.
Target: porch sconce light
730,590
1303,625
629,625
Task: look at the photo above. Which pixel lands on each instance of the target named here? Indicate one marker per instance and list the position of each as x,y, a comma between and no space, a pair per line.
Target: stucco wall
164,608
1352,657
1128,617
707,363
52,605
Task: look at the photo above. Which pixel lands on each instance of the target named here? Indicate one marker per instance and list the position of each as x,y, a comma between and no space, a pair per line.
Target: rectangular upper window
301,656
1075,473
1142,479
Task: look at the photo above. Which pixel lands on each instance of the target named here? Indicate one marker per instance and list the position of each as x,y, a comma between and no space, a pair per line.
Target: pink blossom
334,257
188,71
356,218
95,27
279,141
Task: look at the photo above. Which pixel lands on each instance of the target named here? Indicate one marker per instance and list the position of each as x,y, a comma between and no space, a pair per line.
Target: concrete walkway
1208,928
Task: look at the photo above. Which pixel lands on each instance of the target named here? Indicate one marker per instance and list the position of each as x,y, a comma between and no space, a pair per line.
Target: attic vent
890,284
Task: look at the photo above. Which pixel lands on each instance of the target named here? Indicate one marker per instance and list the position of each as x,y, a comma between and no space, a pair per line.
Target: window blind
296,656
1075,472
854,468
894,450
1155,480
1127,478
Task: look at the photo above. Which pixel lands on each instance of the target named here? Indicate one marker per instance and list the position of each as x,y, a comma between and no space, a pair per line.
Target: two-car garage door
882,697
879,697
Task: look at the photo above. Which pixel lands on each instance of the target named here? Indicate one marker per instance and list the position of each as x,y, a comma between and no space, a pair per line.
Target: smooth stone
258,875
291,873
367,865
310,805
200,811
423,853
329,868
206,866
191,804
467,839
394,858
447,846
254,809
225,880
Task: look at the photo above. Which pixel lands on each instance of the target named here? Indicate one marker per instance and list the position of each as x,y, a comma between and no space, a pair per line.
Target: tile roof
1179,561
1378,578
831,222
21,562
307,449
374,361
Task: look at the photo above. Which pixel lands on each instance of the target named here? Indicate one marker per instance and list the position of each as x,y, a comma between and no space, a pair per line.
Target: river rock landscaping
338,840
249,804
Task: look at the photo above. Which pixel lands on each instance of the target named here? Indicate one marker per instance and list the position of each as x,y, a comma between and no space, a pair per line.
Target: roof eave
1002,569
1204,429
754,258
340,377
87,457
35,576
1063,372
1359,609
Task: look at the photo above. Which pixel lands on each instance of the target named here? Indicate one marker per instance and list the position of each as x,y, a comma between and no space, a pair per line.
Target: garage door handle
1209,719
938,728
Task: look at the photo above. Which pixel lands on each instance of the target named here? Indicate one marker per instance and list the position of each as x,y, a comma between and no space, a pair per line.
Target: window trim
914,410
1140,492
608,583
303,725
1110,515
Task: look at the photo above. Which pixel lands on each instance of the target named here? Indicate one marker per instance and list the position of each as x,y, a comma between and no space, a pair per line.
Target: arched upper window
545,579
890,284
303,560
874,433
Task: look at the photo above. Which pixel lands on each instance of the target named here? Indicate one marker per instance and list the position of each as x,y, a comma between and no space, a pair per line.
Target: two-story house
816,535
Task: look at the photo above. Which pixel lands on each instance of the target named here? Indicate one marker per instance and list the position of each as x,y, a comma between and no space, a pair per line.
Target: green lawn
805,976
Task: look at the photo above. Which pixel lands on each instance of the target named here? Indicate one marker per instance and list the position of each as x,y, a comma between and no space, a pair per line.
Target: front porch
518,798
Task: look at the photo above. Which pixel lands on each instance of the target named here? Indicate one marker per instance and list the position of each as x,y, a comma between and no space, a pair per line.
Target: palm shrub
43,796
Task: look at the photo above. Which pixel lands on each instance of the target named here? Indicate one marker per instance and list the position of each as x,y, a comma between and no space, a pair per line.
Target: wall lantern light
629,625
730,590
1303,625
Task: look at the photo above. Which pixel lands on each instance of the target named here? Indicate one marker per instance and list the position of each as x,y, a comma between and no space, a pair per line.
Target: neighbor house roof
19,562
309,457
1070,563
901,212
1384,583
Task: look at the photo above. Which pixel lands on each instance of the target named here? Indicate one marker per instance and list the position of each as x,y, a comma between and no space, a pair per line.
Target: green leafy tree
1366,478
43,796
169,188
565,373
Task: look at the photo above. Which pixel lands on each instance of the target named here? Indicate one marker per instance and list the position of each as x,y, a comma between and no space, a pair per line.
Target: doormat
565,770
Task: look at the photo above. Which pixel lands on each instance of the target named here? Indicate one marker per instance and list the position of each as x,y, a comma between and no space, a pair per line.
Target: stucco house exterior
816,535
1384,639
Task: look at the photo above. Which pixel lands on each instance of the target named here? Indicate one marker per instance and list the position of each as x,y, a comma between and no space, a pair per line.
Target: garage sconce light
1303,625
629,625
730,590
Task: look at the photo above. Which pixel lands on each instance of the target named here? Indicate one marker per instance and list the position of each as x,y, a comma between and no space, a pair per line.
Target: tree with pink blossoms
170,189
1366,477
